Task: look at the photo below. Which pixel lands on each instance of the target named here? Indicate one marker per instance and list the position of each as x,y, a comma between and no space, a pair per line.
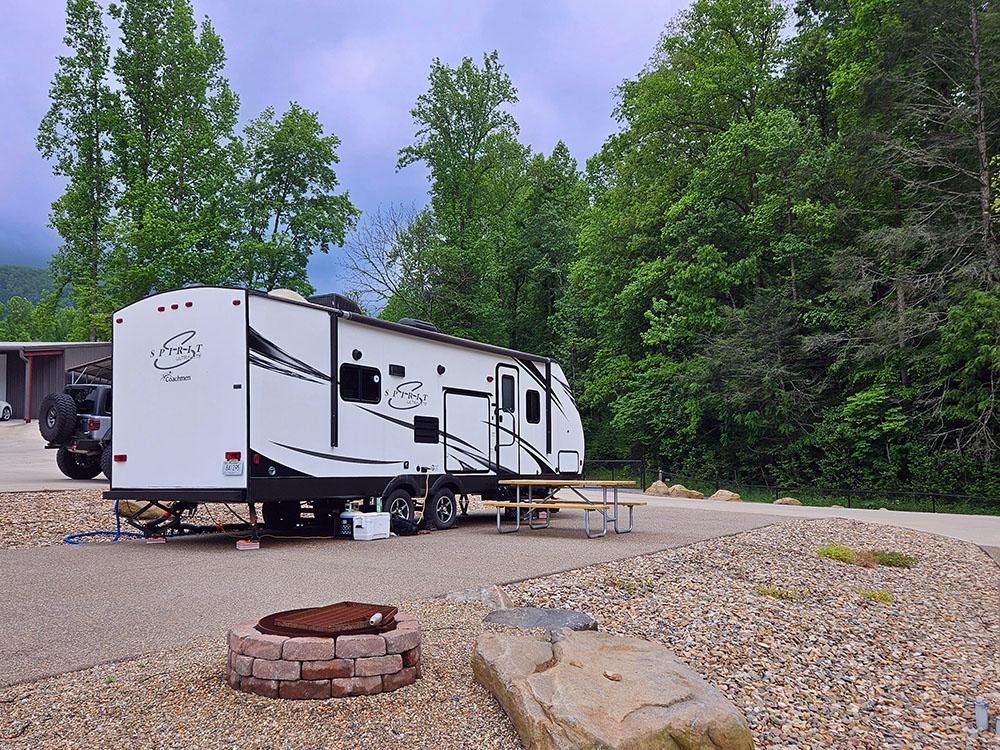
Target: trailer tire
107,461
57,417
399,503
77,465
443,510
282,515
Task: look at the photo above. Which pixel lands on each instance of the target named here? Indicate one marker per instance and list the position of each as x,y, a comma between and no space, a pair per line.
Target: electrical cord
82,537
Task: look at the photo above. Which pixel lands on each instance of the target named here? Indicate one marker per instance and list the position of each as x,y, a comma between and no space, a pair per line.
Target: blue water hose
81,537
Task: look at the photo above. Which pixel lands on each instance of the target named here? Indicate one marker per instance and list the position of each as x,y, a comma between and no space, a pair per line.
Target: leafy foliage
23,281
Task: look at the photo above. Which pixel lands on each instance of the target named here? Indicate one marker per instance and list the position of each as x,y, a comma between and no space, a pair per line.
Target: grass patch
878,595
837,552
892,558
866,558
776,592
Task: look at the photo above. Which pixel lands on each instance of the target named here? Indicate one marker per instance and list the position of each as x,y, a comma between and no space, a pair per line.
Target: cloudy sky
361,65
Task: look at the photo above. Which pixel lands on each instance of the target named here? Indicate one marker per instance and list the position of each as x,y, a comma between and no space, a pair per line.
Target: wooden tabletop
567,482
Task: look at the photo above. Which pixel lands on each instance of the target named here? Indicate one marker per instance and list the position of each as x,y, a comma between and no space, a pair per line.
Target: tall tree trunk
985,192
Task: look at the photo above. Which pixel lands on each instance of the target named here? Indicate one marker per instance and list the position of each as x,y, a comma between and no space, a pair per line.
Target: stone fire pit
315,668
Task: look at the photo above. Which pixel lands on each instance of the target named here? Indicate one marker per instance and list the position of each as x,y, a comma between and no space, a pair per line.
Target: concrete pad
68,607
26,464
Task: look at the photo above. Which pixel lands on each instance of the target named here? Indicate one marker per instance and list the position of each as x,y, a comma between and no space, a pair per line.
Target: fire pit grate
342,618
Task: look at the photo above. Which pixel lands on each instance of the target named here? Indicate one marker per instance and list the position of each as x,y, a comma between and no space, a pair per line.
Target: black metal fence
644,472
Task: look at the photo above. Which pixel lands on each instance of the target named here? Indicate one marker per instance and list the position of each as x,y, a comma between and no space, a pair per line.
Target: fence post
642,474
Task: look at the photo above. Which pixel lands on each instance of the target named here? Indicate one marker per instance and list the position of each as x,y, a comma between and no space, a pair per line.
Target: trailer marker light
188,304
120,458
93,424
232,455
161,308
236,302
174,306
256,458
118,320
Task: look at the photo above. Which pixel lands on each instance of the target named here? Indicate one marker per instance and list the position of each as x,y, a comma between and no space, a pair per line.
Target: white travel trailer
236,396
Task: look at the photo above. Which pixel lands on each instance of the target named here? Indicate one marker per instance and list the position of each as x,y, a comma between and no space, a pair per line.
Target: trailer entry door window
507,393
533,407
359,383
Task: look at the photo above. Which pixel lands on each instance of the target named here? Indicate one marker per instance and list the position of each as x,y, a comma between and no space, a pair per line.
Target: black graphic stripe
272,351
267,365
528,447
346,459
532,369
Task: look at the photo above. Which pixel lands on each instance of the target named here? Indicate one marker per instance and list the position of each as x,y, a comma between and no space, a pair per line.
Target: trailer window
507,393
533,407
359,383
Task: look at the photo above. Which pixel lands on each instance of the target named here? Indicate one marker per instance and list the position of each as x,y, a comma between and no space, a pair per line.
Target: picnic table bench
532,509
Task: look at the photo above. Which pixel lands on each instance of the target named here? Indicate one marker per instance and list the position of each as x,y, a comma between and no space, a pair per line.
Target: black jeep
77,422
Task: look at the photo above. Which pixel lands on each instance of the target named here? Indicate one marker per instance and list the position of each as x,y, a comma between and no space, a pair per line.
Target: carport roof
33,345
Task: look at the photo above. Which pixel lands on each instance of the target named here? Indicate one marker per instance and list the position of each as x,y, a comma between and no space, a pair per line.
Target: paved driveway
68,607
25,464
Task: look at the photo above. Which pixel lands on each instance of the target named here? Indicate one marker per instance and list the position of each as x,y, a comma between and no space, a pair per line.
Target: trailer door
508,418
466,432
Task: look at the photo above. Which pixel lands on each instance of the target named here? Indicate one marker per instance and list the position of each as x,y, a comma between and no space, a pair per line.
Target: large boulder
729,497
658,488
679,490
787,501
588,689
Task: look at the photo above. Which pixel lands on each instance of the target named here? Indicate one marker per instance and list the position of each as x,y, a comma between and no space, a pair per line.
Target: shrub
878,595
837,552
775,592
892,559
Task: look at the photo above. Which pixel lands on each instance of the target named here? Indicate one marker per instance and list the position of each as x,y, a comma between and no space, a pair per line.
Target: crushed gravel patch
39,519
180,699
830,668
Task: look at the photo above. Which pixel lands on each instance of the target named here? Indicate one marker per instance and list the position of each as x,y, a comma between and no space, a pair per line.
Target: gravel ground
38,519
830,669
180,700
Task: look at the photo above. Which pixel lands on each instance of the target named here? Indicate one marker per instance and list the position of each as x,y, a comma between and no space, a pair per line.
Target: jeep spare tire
57,417
106,461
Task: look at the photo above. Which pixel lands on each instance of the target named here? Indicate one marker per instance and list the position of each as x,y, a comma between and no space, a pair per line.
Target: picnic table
533,509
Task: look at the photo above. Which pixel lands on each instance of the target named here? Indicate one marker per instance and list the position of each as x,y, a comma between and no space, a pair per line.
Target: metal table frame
603,509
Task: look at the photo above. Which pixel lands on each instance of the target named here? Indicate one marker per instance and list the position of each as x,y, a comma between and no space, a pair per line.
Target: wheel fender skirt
445,480
408,481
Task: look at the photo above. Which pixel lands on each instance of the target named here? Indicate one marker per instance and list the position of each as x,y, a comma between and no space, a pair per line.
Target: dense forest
781,266
28,282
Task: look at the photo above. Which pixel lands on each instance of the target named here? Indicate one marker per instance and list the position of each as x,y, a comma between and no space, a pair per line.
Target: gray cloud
361,65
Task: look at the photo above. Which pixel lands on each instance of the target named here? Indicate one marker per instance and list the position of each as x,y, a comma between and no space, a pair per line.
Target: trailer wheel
399,503
57,417
443,510
282,515
78,465
106,461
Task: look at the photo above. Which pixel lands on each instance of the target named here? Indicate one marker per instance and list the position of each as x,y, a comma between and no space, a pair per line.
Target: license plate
232,468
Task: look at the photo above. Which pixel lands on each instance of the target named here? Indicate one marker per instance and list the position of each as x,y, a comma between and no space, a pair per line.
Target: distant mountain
23,281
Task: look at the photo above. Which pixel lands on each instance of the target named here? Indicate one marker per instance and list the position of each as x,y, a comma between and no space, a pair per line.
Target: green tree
173,150
288,201
75,136
467,137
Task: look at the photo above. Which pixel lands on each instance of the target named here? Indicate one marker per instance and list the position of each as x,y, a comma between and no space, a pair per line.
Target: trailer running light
236,302
256,458
188,304
120,458
232,455
93,424
174,306
119,320
161,308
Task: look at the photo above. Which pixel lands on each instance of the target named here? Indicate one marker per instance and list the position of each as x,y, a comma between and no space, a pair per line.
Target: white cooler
368,526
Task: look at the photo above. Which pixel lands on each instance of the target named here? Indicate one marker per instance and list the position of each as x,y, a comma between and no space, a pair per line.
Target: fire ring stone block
310,668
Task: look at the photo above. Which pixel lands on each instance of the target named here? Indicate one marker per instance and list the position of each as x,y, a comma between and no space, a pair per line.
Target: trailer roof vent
286,294
421,324
337,301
